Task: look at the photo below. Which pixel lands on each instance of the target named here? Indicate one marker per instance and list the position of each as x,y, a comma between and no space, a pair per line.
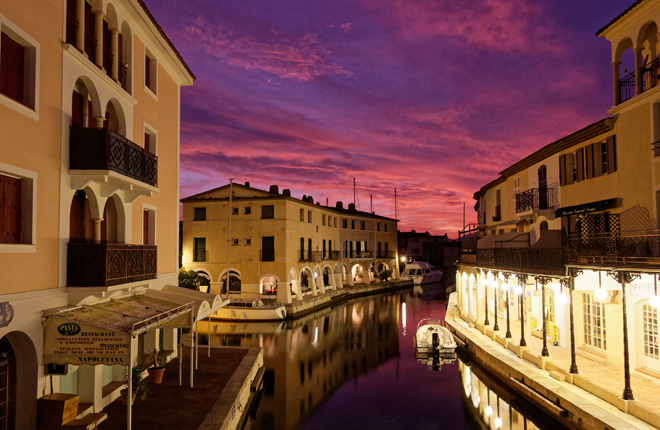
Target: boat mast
231,180
353,191
395,211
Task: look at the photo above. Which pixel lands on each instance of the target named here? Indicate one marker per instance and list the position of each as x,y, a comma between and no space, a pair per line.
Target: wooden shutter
562,170
10,213
589,159
579,154
12,75
145,226
611,154
147,71
71,22
147,146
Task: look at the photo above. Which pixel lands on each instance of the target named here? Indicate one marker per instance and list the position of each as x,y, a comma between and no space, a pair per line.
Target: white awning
101,332
205,304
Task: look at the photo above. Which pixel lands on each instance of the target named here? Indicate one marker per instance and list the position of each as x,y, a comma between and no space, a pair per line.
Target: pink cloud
304,59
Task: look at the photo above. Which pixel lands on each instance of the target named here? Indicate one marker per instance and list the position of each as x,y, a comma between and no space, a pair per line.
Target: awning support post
196,346
192,347
180,351
209,336
129,372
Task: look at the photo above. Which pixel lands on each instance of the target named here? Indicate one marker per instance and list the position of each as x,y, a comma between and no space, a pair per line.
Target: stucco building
276,245
89,108
567,238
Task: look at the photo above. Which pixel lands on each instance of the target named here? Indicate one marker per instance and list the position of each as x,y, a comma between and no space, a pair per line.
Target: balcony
639,248
331,255
385,254
650,77
536,199
308,256
363,254
107,264
102,149
546,260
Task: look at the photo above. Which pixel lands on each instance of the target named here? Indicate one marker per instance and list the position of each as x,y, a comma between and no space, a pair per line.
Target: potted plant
139,384
155,362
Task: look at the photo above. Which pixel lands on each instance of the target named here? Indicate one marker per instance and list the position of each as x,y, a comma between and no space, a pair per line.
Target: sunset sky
431,97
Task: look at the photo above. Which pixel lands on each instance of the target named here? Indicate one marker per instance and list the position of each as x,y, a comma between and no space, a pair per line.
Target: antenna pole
371,202
463,216
353,191
395,211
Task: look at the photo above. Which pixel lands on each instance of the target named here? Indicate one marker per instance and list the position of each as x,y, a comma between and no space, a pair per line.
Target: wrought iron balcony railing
363,254
107,264
310,256
635,248
102,149
627,87
385,254
536,199
522,259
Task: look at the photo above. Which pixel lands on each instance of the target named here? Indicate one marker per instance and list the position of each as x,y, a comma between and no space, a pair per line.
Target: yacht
421,273
250,310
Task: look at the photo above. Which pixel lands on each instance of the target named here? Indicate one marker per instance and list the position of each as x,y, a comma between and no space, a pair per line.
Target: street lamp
495,293
600,293
403,259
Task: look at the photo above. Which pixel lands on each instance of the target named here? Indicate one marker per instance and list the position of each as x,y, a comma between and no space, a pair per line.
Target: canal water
353,367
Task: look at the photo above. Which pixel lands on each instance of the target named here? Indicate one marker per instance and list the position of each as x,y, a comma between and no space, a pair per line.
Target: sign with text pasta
72,342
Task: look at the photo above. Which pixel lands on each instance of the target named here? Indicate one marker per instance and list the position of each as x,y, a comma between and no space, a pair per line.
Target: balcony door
543,187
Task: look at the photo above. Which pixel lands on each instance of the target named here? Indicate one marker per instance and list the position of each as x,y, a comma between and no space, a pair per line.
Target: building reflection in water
497,407
308,358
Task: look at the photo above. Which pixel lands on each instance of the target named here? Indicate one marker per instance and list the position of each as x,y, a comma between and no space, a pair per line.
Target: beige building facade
276,245
89,108
567,244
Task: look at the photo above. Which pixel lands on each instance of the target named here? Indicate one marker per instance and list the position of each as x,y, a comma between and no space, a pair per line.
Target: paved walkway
169,405
600,381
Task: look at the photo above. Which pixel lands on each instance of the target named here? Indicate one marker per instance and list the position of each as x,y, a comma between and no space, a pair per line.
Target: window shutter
562,170
10,214
579,154
147,72
145,226
146,142
611,154
13,68
589,158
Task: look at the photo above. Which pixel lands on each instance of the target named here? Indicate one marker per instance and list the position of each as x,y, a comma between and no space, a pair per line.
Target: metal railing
103,149
107,264
363,254
385,254
650,75
536,199
636,247
523,258
627,87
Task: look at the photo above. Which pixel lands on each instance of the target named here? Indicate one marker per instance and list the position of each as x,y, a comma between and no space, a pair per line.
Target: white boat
250,310
432,338
421,272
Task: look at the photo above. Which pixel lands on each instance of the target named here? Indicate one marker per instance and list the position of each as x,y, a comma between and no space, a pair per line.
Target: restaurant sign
73,342
586,208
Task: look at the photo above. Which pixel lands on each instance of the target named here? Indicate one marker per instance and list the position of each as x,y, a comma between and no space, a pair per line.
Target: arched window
324,255
543,187
309,249
302,249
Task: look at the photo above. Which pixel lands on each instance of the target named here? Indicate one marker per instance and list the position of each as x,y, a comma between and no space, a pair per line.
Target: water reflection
353,367
313,355
496,406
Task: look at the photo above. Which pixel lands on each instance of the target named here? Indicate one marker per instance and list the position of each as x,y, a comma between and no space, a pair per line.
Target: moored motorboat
431,338
421,272
250,310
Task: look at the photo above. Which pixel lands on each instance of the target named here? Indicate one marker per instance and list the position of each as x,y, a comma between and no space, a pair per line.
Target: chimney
247,184
286,192
310,199
274,189
351,206
340,205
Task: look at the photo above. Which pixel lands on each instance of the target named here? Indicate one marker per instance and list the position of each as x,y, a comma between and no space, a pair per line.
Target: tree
187,278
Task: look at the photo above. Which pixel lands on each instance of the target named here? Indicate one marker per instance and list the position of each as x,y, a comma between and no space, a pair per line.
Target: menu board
69,342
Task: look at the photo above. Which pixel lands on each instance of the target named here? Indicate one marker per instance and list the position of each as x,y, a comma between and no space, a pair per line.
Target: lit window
234,242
